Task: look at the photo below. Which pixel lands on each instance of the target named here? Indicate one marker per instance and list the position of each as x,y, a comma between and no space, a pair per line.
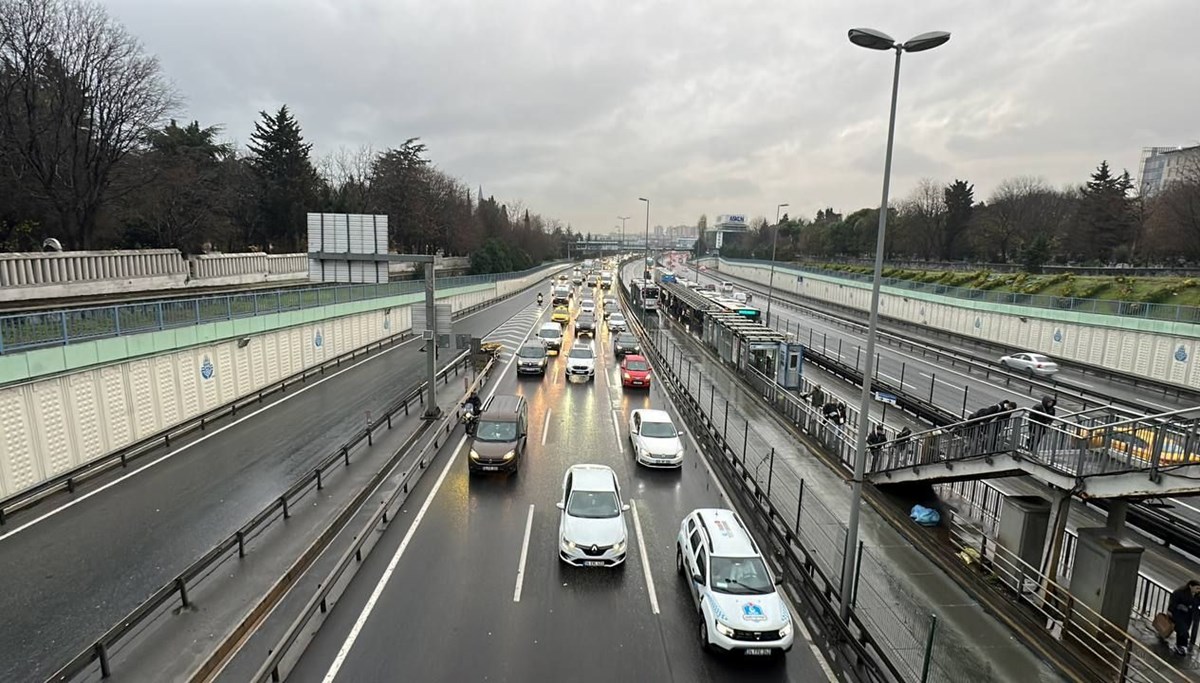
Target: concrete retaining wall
1159,350
104,395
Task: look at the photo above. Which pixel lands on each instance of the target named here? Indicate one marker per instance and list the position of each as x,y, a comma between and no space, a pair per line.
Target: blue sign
206,368
318,340
1181,354
1058,335
884,397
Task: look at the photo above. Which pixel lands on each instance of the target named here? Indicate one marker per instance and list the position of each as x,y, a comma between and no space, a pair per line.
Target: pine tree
1106,221
959,198
287,180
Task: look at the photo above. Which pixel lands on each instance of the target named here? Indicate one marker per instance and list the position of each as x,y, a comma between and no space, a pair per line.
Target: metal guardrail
70,479
25,331
966,267
303,628
176,590
1136,309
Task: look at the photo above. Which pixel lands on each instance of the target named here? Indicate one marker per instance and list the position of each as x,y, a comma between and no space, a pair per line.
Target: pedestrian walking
1183,606
816,396
875,440
1040,417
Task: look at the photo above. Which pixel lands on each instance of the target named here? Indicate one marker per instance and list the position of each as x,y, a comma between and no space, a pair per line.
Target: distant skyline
577,109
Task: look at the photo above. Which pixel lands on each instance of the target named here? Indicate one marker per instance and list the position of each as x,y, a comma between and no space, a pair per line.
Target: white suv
581,360
591,530
734,591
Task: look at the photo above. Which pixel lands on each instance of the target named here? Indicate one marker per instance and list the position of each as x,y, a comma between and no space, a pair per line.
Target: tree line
90,155
1024,221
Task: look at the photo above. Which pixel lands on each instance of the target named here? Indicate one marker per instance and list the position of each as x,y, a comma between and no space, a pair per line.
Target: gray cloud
706,106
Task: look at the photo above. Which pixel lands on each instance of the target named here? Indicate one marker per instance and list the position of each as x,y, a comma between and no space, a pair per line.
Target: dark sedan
624,344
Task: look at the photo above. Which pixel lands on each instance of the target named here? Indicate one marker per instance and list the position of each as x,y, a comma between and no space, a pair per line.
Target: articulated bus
648,295
734,306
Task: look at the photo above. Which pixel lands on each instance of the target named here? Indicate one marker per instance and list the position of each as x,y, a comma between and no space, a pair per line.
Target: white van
731,586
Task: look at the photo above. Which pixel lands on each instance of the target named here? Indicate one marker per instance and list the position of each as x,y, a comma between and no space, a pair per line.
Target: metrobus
747,312
647,295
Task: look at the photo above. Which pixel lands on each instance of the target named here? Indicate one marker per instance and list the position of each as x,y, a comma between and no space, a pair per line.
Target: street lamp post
622,238
645,265
774,244
874,40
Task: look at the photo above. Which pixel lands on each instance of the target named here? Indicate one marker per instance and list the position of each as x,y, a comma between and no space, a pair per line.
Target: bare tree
1173,221
77,95
922,220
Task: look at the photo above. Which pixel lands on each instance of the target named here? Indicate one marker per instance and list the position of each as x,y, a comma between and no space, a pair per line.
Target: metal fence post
770,473
799,507
745,437
928,648
932,382
964,408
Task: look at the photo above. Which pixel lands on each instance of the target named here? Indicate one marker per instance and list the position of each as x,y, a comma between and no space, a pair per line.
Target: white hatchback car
591,529
655,440
732,587
588,306
581,360
1031,363
616,323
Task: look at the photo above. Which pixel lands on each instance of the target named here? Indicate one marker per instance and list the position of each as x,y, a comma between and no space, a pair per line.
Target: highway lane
448,612
93,558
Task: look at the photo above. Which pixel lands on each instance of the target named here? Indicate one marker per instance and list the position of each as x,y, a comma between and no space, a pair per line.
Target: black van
500,435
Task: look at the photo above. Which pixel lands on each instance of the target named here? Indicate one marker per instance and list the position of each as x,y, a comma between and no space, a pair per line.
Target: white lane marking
637,526
804,632
75,501
524,554
616,426
934,378
546,426
391,568
1183,504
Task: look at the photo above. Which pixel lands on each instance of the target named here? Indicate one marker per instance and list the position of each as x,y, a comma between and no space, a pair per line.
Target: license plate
593,563
490,468
637,382
758,651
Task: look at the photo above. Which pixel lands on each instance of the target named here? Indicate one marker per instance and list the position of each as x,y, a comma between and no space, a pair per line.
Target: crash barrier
25,331
851,641
173,594
69,480
287,650
1112,655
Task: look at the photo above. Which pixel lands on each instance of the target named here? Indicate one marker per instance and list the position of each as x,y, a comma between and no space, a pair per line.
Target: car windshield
588,303
549,334
618,318
488,430
658,430
593,504
586,320
532,351
581,352
741,576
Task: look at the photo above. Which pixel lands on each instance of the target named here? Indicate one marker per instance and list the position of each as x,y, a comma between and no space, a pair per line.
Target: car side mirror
697,578
560,505
625,507
778,581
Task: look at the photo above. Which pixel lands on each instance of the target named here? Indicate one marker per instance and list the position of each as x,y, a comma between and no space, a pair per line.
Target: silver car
1034,364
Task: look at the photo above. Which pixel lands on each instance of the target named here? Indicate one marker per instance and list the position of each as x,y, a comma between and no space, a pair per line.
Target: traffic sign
884,397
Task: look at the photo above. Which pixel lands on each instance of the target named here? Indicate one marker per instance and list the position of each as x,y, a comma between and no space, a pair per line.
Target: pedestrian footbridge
1097,453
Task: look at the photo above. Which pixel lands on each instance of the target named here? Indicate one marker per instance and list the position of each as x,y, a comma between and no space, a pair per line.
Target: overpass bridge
1096,453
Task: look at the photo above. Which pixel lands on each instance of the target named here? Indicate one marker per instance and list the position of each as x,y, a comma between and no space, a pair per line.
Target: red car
635,372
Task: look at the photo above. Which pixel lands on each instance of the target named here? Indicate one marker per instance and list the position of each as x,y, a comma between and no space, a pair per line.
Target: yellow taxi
561,314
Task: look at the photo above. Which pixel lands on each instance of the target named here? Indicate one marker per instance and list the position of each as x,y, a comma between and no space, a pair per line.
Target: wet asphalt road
447,612
72,575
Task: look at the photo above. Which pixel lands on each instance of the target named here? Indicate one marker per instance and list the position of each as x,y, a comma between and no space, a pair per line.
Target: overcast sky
578,107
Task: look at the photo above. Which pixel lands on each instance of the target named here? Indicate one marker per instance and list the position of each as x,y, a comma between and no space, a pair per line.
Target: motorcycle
468,418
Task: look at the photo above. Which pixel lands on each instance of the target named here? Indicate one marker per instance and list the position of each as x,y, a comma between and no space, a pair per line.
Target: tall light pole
645,266
622,219
774,244
875,40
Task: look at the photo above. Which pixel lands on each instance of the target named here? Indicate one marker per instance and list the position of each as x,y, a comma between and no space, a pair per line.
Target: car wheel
704,642
678,560
1004,364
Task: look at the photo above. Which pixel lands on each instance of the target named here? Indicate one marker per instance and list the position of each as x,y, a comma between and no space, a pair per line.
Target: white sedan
591,530
1032,363
655,439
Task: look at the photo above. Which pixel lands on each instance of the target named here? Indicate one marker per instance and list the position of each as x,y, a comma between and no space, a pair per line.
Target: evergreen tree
288,182
1106,219
959,197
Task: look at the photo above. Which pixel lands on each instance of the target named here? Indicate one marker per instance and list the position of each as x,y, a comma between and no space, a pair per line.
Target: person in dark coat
875,440
1040,417
1182,606
831,412
816,396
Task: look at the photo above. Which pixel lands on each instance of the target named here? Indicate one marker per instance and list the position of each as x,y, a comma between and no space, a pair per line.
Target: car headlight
723,629
474,454
569,545
786,630
626,376
510,455
619,547
679,454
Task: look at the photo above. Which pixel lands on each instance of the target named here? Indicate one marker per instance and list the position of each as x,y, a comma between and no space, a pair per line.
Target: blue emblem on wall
1058,335
1181,354
978,323
207,370
318,340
